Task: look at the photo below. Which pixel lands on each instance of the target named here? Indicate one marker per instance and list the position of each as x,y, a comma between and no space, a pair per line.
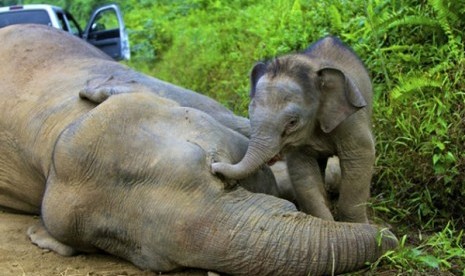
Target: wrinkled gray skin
131,176
123,80
309,107
332,178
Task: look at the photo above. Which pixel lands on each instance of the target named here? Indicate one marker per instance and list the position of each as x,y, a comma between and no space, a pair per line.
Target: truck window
73,25
24,16
106,31
62,21
105,21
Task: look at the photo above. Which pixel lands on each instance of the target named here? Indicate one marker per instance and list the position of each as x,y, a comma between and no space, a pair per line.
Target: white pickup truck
105,29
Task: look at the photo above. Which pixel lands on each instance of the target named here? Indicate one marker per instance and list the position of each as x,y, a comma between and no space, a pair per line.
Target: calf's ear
340,98
257,72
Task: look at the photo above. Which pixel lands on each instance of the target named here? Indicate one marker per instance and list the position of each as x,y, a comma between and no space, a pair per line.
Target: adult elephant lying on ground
131,176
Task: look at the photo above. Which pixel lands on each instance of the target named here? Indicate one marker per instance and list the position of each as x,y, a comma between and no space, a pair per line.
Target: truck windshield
24,16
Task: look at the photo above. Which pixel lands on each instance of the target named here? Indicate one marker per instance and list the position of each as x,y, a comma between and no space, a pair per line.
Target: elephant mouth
275,159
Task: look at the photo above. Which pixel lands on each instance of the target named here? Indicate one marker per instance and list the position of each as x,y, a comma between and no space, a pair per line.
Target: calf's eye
291,124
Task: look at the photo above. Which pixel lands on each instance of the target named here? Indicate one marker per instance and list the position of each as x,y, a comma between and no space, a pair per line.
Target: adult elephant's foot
39,236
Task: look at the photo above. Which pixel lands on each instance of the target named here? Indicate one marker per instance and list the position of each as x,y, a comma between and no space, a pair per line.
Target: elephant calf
310,106
125,169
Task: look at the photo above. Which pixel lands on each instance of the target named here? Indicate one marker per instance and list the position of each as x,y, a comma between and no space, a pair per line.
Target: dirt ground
19,257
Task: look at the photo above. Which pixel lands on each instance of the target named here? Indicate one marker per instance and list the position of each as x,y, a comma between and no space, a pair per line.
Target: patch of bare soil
18,256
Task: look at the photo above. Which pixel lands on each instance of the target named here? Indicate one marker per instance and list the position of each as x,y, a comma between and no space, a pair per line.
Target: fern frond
412,84
414,20
396,48
449,8
446,18
380,17
386,18
335,17
443,16
445,65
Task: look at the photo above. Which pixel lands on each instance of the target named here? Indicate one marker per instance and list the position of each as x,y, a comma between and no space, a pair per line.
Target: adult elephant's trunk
262,235
258,153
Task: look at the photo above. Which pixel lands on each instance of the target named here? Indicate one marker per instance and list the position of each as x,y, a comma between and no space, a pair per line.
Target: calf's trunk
258,153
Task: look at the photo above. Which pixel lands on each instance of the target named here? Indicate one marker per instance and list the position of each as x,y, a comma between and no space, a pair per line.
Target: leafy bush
419,111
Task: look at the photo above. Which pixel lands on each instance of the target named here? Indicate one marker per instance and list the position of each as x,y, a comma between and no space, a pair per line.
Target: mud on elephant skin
131,176
310,106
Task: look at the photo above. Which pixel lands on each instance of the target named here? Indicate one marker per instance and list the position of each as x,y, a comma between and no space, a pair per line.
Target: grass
440,253
436,247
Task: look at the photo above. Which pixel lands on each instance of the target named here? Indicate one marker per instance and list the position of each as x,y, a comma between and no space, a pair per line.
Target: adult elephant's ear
340,98
257,72
98,89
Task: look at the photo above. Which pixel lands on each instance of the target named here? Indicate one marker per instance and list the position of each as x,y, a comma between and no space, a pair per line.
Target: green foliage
8,3
442,251
208,41
422,133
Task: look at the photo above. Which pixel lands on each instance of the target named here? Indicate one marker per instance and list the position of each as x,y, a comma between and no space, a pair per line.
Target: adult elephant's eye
292,123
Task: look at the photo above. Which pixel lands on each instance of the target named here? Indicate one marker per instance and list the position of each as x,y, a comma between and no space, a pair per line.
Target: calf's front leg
308,184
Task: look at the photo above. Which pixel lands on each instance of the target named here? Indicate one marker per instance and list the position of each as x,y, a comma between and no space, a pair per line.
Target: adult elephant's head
292,98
